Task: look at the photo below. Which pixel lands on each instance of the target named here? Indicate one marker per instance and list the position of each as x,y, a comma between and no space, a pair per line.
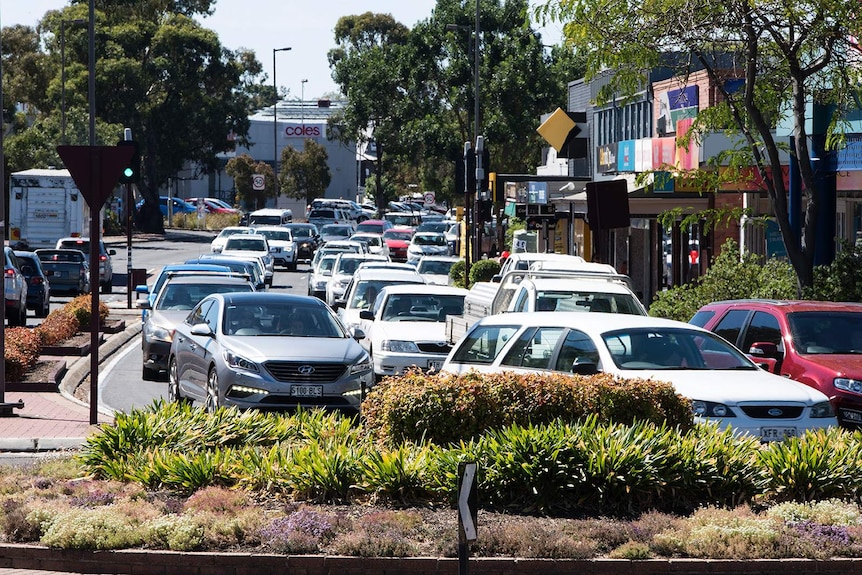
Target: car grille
762,411
275,400
430,347
293,371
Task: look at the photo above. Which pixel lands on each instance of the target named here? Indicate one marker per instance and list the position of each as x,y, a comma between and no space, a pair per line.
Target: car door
191,372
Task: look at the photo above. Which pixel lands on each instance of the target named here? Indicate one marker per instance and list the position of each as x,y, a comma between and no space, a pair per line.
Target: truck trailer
44,206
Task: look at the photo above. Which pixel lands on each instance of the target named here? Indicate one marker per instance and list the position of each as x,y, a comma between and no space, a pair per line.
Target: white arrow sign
464,501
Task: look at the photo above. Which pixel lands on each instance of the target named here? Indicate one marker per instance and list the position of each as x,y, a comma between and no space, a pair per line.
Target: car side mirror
496,279
202,329
143,304
366,314
337,304
357,333
112,252
763,349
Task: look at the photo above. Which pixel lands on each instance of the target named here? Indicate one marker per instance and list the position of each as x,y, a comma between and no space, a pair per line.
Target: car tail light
10,273
36,281
103,258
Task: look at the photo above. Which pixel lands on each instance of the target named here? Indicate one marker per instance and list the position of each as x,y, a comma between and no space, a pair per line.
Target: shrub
174,532
728,277
445,408
456,273
81,306
22,351
484,270
60,325
98,528
303,531
841,280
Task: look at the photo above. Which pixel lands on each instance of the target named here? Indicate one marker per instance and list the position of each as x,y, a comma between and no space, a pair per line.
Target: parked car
68,271
307,240
214,205
38,286
217,245
174,301
435,269
724,385
281,245
817,343
408,326
251,246
106,268
398,240
178,206
426,244
271,351
15,288
323,216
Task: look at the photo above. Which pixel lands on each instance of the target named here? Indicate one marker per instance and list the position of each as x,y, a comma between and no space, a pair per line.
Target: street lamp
275,115
76,21
302,106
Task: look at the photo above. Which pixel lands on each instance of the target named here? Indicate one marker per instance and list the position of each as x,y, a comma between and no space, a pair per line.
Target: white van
270,217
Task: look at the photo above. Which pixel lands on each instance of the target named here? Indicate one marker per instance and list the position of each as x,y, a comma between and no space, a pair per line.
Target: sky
262,25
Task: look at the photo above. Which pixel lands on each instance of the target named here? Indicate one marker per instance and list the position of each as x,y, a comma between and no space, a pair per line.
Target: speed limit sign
257,182
429,198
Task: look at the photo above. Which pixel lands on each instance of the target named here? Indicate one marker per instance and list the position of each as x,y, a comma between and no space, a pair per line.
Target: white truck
592,289
44,206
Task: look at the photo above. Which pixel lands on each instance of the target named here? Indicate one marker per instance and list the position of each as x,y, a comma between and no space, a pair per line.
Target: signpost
467,512
96,170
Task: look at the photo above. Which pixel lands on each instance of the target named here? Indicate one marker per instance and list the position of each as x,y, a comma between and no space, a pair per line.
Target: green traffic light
128,172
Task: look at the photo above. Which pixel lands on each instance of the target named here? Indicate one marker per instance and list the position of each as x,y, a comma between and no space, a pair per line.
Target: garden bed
44,376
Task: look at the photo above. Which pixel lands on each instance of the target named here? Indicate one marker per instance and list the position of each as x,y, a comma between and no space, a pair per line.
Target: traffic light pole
468,210
127,203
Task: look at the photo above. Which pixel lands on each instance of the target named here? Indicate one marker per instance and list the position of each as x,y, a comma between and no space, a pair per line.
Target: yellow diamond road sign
557,129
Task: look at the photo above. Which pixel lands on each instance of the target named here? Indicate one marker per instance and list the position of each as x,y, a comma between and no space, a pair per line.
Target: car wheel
107,287
212,401
291,267
174,394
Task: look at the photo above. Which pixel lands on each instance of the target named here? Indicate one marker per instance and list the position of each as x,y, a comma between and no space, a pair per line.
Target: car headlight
710,409
319,285
847,384
822,409
155,332
363,364
275,250
399,346
236,361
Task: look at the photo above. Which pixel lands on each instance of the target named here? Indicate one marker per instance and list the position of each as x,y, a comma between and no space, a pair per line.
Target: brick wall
139,562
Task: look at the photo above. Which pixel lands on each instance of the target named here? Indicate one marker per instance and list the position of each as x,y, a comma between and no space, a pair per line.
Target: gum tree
788,54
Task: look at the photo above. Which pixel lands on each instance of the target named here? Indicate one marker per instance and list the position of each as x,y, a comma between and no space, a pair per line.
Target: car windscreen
264,220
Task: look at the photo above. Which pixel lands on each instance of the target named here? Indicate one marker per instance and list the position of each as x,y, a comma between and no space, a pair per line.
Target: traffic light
469,170
131,173
486,169
485,209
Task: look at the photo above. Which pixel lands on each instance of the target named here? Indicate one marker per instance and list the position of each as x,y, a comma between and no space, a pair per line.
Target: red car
214,205
817,343
397,240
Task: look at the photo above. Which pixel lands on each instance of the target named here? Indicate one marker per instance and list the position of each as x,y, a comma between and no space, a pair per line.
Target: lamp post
275,115
77,21
302,106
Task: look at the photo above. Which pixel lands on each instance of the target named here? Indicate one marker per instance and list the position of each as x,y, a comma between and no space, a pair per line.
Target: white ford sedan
723,384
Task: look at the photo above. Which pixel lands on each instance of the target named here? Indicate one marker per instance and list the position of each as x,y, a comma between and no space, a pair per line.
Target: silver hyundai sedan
270,351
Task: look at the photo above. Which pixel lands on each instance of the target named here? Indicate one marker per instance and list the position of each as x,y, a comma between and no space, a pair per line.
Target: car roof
579,283
433,258
386,273
424,289
593,322
264,297
208,279
788,305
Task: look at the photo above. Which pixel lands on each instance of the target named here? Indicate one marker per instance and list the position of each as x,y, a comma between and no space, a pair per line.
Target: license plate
776,433
306,390
851,415
435,364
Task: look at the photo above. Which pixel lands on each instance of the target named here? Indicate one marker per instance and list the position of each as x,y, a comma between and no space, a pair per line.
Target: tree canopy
783,57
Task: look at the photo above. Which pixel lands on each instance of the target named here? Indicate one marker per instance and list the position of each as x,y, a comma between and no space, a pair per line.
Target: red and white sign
429,198
303,131
258,182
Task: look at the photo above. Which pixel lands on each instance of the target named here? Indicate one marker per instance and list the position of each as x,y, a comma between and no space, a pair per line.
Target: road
121,387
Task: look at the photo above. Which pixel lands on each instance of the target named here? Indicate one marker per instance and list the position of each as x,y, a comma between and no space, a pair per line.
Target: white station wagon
723,384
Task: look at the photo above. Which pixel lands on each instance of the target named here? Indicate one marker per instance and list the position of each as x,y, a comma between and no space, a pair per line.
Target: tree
368,65
241,169
169,79
788,55
305,175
